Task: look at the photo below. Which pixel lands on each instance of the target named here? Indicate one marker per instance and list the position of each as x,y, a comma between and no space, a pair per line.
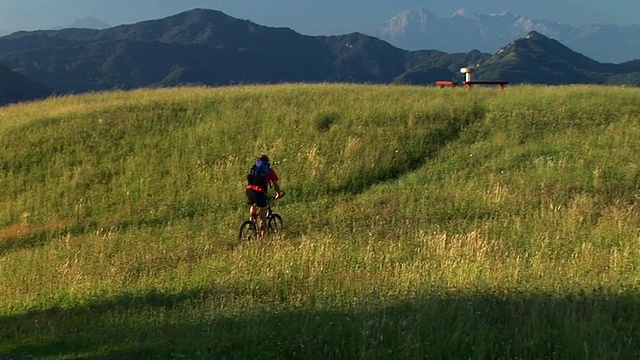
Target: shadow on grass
439,326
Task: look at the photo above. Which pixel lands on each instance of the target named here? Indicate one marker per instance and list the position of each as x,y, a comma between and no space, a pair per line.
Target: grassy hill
420,223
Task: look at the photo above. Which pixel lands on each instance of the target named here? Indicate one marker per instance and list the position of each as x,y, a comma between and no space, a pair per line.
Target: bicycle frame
250,229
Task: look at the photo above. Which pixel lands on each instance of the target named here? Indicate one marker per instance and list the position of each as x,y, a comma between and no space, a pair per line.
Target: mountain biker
258,187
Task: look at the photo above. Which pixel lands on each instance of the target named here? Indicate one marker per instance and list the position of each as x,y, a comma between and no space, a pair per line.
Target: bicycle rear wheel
248,231
274,225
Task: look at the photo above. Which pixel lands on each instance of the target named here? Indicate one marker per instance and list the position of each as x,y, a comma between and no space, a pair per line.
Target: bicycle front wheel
248,231
274,224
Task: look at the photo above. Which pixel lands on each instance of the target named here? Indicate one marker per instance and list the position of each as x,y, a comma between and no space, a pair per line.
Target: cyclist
259,179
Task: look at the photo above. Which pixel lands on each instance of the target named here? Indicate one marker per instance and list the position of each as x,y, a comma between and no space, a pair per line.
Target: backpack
258,174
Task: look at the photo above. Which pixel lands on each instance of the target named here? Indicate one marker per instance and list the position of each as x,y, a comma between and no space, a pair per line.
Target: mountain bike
250,230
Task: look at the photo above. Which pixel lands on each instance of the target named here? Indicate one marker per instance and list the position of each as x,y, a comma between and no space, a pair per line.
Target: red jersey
271,176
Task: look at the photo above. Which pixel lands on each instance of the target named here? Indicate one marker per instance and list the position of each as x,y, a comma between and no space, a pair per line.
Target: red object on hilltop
446,83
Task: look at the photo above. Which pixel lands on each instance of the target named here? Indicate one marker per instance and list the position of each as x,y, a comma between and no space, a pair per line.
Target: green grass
420,223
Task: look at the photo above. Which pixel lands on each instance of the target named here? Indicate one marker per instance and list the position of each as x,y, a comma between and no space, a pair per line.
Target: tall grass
420,223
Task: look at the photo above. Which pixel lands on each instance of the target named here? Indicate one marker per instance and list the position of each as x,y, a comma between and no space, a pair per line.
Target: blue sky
313,17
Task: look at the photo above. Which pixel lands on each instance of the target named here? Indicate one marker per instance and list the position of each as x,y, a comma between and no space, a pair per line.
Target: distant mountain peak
89,22
464,30
423,11
537,46
504,14
410,20
421,15
464,13
533,35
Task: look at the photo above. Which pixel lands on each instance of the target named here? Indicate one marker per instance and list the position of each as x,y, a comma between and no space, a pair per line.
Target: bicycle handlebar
274,197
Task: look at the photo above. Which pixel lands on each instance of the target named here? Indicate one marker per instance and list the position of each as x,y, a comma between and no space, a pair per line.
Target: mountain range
465,30
208,47
17,88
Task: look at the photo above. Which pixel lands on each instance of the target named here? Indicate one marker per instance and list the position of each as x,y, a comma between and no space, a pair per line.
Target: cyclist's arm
276,186
273,178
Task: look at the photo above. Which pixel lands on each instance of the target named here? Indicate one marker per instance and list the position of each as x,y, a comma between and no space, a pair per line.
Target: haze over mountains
309,17
89,22
602,30
466,30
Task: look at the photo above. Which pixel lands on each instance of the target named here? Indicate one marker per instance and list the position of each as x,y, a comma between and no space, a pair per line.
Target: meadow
420,223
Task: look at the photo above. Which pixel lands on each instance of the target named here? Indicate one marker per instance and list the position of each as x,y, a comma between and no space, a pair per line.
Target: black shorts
257,197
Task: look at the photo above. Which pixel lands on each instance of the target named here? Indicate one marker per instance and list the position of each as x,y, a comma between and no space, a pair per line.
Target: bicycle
249,230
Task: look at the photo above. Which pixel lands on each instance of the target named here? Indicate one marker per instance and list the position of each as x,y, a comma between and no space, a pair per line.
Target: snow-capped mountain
464,31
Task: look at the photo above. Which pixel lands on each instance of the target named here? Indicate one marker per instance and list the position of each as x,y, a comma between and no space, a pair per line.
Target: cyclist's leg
251,196
253,211
261,203
263,220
